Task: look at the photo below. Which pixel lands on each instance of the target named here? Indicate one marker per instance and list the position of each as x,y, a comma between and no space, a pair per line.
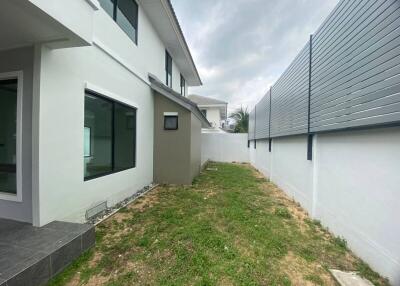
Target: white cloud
241,47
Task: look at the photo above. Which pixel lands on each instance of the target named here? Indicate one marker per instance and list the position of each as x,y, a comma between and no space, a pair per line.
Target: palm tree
241,117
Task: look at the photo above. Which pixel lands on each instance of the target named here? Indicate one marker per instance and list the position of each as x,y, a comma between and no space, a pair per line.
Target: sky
241,47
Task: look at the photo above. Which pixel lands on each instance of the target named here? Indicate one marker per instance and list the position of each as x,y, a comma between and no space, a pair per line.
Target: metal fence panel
355,75
356,66
290,93
252,122
262,117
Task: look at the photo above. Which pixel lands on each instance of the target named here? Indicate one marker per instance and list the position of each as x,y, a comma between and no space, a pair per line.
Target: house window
8,136
204,111
183,86
168,69
170,121
125,14
109,136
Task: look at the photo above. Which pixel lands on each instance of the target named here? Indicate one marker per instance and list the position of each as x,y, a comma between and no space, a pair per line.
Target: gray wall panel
355,80
252,122
289,114
262,117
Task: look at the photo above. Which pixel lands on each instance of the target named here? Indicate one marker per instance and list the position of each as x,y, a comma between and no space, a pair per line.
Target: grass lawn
232,227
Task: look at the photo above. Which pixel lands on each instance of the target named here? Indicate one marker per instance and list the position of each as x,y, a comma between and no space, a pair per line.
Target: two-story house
215,110
77,103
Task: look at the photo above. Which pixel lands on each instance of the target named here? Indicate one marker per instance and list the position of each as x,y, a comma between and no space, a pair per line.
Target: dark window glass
168,69
125,130
170,122
125,13
183,86
109,136
204,111
108,6
8,136
98,117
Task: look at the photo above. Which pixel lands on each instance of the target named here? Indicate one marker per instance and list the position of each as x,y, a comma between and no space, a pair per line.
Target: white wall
115,67
358,193
224,147
147,56
352,185
213,116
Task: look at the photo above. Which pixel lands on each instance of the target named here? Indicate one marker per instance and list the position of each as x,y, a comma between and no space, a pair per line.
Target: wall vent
96,210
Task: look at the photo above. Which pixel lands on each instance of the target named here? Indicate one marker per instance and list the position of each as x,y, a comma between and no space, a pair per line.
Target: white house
77,106
215,110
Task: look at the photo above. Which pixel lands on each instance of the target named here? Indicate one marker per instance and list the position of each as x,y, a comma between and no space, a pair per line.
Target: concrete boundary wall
352,185
224,147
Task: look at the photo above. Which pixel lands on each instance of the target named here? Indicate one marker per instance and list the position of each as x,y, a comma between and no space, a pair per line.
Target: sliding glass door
8,136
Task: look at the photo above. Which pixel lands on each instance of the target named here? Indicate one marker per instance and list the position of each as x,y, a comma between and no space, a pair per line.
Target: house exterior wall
64,74
11,61
116,68
172,148
351,186
213,115
195,147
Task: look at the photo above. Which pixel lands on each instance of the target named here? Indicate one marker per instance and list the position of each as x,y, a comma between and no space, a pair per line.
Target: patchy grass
232,227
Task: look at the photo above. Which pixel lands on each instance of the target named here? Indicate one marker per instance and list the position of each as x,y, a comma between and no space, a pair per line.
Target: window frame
113,102
19,76
114,17
168,69
177,122
183,86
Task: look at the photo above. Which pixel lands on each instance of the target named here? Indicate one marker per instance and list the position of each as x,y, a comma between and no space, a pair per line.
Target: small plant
340,242
283,212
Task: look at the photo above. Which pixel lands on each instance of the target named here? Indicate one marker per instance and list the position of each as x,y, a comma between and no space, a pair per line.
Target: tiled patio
31,255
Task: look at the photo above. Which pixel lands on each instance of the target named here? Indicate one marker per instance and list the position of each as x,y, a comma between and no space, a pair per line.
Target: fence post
310,136
269,119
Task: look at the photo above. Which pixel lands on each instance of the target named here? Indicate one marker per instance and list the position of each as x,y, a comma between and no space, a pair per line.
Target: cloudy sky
241,47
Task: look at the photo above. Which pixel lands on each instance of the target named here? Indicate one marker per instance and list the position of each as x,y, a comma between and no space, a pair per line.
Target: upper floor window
125,13
183,86
168,69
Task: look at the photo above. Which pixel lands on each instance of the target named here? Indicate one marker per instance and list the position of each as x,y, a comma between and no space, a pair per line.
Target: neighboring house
215,110
77,104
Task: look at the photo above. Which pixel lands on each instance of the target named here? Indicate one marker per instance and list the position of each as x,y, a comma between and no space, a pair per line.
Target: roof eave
169,93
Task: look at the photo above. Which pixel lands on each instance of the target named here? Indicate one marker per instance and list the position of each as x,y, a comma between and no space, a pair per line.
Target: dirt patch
93,281
245,249
225,281
147,201
299,271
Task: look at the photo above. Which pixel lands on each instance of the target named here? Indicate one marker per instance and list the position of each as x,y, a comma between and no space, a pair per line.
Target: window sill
90,178
10,197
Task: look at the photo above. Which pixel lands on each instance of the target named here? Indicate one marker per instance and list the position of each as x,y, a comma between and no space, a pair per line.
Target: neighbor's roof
169,93
164,20
205,101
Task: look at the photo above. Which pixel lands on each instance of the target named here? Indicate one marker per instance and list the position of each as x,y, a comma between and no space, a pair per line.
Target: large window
168,69
109,136
8,136
125,13
183,86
